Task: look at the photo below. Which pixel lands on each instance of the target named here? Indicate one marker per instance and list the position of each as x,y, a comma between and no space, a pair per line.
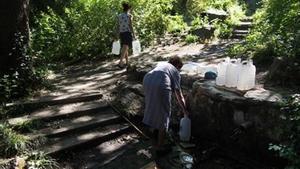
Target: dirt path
104,76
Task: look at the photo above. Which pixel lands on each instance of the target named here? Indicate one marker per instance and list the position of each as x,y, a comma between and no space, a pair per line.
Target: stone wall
249,121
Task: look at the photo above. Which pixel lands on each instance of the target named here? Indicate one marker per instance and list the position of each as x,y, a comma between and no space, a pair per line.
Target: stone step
244,25
62,111
247,19
85,140
79,125
238,36
241,31
127,150
54,100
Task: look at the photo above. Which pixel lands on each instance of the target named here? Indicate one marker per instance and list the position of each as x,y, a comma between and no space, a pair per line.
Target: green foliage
191,38
86,28
199,22
276,30
290,146
195,7
27,126
40,160
11,142
176,24
223,28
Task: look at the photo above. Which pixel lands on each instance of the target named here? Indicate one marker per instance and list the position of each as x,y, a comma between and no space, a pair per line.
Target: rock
213,14
131,103
264,95
206,32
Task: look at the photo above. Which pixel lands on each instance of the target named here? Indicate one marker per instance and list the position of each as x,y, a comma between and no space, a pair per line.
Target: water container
136,47
116,46
251,75
247,77
222,67
243,75
190,67
232,73
185,129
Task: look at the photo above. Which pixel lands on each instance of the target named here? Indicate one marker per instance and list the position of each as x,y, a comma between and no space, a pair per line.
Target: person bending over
158,86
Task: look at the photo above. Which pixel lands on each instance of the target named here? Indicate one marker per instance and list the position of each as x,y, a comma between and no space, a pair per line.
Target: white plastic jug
116,46
190,67
247,76
232,73
222,68
242,80
252,73
136,47
185,129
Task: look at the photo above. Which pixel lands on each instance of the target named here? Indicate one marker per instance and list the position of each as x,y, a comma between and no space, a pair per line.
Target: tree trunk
14,33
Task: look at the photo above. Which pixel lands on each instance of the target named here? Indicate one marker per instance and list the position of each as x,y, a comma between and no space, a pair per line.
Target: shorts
126,38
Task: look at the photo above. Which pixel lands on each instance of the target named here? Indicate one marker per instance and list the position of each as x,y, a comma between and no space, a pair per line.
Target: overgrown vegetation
11,142
290,145
275,33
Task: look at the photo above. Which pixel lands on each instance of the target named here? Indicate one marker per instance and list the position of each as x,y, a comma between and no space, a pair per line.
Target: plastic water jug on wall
190,67
232,73
247,77
136,47
242,80
222,67
252,73
116,46
185,129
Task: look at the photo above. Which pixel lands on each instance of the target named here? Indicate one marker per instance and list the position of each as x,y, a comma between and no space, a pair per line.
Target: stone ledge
252,97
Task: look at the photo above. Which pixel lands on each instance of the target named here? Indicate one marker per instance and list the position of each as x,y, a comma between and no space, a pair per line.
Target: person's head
126,7
176,62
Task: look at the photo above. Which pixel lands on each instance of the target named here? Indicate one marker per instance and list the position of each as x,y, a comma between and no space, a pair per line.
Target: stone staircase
242,29
72,124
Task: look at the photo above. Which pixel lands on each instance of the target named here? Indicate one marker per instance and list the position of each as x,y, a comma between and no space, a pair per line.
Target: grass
11,142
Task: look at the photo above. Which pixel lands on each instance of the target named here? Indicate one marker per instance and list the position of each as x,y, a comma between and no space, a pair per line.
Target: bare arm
181,101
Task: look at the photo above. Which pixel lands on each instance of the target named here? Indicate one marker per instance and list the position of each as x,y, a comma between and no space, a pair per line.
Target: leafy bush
276,31
195,7
86,28
289,148
151,18
176,24
191,39
223,28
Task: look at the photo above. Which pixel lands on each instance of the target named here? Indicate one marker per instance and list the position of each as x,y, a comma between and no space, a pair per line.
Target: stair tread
240,31
57,99
59,144
59,110
245,23
80,122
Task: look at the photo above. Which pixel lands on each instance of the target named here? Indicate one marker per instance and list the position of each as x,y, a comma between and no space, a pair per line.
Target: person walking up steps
126,33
